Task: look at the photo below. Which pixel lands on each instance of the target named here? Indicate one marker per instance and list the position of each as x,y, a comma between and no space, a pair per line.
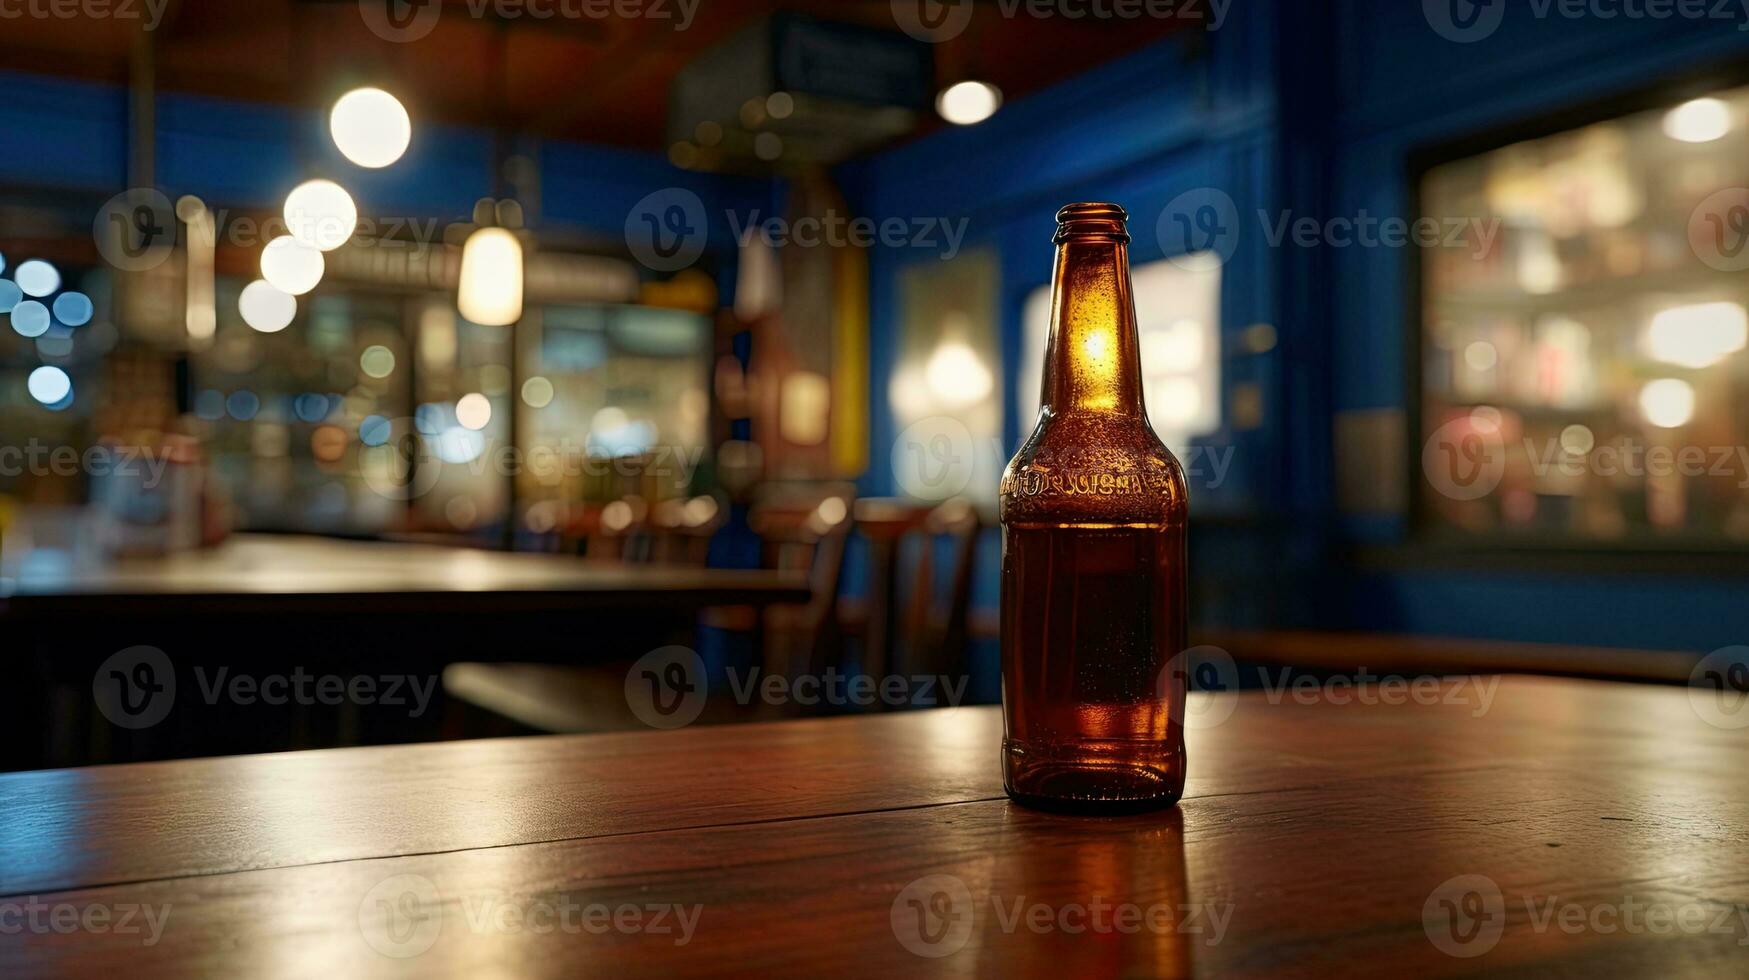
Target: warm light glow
377,361
1699,335
804,408
265,307
967,103
956,375
473,410
1177,349
1699,121
291,266
1578,439
491,278
370,127
1667,402
1481,356
1179,401
321,214
537,392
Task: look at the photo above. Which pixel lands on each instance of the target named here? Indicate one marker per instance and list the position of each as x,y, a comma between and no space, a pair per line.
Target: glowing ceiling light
266,308
967,103
491,278
321,214
370,127
1667,403
1699,121
293,267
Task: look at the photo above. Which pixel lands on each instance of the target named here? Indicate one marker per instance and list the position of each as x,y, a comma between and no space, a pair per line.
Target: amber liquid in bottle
1093,556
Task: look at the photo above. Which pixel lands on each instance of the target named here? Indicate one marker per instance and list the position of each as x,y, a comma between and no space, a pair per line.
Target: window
1178,312
1583,370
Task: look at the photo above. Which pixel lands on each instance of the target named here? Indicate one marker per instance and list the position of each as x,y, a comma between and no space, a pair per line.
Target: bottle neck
1093,363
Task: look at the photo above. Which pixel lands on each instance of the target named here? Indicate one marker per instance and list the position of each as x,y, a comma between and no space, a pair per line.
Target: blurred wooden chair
501,698
917,620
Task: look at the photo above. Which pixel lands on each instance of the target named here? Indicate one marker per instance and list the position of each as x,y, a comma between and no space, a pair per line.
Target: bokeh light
321,214
73,309
49,385
266,308
377,361
370,127
37,278
30,318
473,410
293,267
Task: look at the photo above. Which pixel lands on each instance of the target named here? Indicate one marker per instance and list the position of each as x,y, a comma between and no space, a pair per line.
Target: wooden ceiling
600,80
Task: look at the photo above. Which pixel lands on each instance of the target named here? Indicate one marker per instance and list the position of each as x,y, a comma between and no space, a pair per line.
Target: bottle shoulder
1094,469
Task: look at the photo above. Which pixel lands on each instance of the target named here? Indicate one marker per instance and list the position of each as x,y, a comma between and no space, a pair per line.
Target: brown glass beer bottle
1093,555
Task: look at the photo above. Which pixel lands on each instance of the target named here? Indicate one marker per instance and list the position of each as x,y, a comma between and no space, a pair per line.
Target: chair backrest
812,536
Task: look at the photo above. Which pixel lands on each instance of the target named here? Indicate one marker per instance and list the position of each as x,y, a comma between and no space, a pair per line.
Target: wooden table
288,574
1316,839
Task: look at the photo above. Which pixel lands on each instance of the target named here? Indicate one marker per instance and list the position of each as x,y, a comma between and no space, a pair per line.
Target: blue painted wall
1311,110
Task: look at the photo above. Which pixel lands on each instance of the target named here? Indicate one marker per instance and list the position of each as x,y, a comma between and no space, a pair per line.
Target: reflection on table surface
267,564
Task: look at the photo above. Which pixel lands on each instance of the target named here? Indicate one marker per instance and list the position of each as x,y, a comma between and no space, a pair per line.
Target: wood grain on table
1593,829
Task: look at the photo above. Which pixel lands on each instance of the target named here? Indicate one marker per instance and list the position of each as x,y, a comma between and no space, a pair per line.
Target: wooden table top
272,573
1543,825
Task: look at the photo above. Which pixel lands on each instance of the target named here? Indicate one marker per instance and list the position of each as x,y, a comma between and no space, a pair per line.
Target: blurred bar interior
763,285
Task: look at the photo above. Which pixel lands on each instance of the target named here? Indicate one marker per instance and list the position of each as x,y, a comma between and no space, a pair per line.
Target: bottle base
1107,777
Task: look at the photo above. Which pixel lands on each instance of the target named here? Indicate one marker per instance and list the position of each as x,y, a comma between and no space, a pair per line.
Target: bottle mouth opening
1092,221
